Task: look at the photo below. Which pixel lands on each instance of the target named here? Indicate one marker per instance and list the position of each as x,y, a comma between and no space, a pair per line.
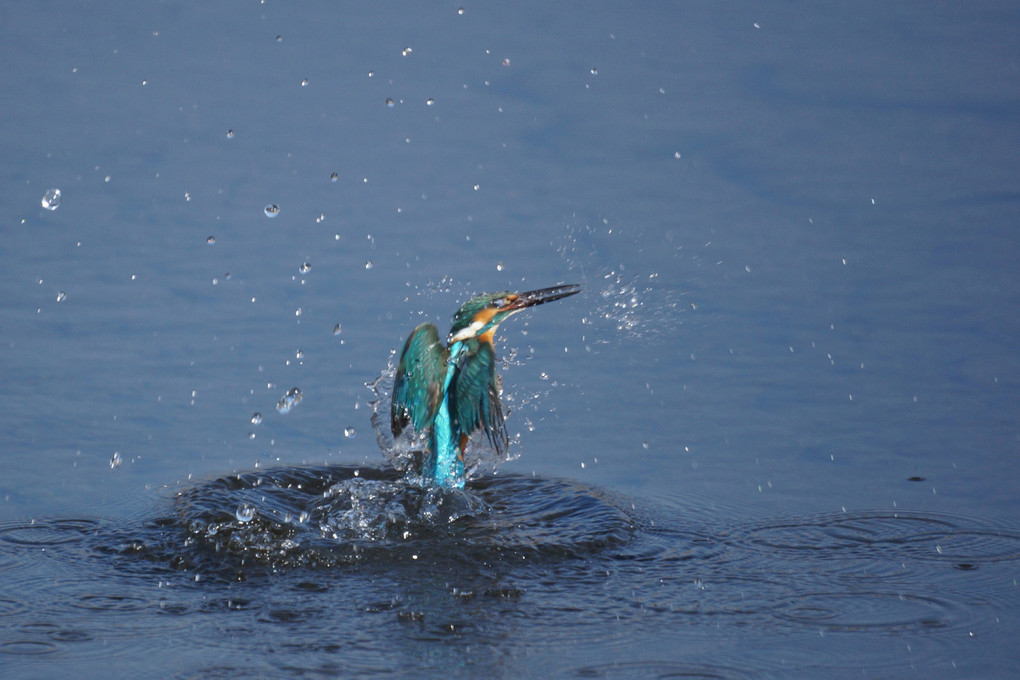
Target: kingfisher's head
480,315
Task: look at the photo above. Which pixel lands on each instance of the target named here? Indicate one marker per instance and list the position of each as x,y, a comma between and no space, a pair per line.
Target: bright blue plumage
450,392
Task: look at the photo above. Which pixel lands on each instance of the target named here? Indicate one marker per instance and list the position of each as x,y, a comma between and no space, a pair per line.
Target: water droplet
289,400
406,51
279,38
506,61
499,266
543,376
61,296
299,354
230,134
256,418
430,101
369,265
390,103
460,10
303,517
349,432
337,329
304,82
272,210
116,460
334,177
245,513
594,71
211,240
644,445
305,268
51,199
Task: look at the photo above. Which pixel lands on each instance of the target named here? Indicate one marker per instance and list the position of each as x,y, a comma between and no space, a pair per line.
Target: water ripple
325,516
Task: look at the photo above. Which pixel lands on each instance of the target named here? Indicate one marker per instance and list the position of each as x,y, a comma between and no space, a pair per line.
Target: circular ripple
27,647
110,603
48,532
902,535
858,611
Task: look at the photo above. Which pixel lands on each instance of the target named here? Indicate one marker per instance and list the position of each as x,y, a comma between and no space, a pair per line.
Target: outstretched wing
476,405
418,385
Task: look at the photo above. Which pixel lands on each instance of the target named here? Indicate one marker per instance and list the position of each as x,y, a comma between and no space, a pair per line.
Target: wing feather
418,384
476,404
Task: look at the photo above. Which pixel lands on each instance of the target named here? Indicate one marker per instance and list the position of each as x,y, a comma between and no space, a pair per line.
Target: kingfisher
449,392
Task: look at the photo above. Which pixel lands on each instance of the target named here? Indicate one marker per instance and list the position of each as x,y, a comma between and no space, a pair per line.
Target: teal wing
418,385
476,404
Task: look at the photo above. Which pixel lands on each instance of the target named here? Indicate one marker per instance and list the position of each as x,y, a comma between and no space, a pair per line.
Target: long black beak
543,295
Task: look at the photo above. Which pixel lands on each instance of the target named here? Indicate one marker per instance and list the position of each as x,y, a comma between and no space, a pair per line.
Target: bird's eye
498,302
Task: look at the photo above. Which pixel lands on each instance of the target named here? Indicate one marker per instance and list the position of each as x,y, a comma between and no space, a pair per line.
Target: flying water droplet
304,82
289,400
61,296
334,177
349,432
337,329
390,103
256,418
116,460
230,134
460,10
299,354
272,210
245,513
369,264
305,268
430,101
211,240
51,199
406,51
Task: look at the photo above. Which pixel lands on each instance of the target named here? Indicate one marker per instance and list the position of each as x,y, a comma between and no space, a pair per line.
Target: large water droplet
337,329
61,296
51,199
390,103
305,268
245,513
349,432
289,400
116,460
272,210
256,418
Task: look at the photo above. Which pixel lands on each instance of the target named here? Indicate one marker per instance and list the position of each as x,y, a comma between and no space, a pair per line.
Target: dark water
341,571
777,435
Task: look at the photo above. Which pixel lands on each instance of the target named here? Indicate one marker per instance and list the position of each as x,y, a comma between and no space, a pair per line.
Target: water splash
627,305
289,401
327,516
51,199
405,451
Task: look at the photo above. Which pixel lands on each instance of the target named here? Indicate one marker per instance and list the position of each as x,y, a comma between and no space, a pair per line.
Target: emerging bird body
451,391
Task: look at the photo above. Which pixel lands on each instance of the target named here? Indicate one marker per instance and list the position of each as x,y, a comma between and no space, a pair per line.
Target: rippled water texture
343,570
775,435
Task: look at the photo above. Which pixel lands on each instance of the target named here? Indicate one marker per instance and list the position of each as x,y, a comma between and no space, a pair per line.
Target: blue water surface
778,428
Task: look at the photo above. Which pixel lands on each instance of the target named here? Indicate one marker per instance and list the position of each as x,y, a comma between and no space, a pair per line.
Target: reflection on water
388,573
